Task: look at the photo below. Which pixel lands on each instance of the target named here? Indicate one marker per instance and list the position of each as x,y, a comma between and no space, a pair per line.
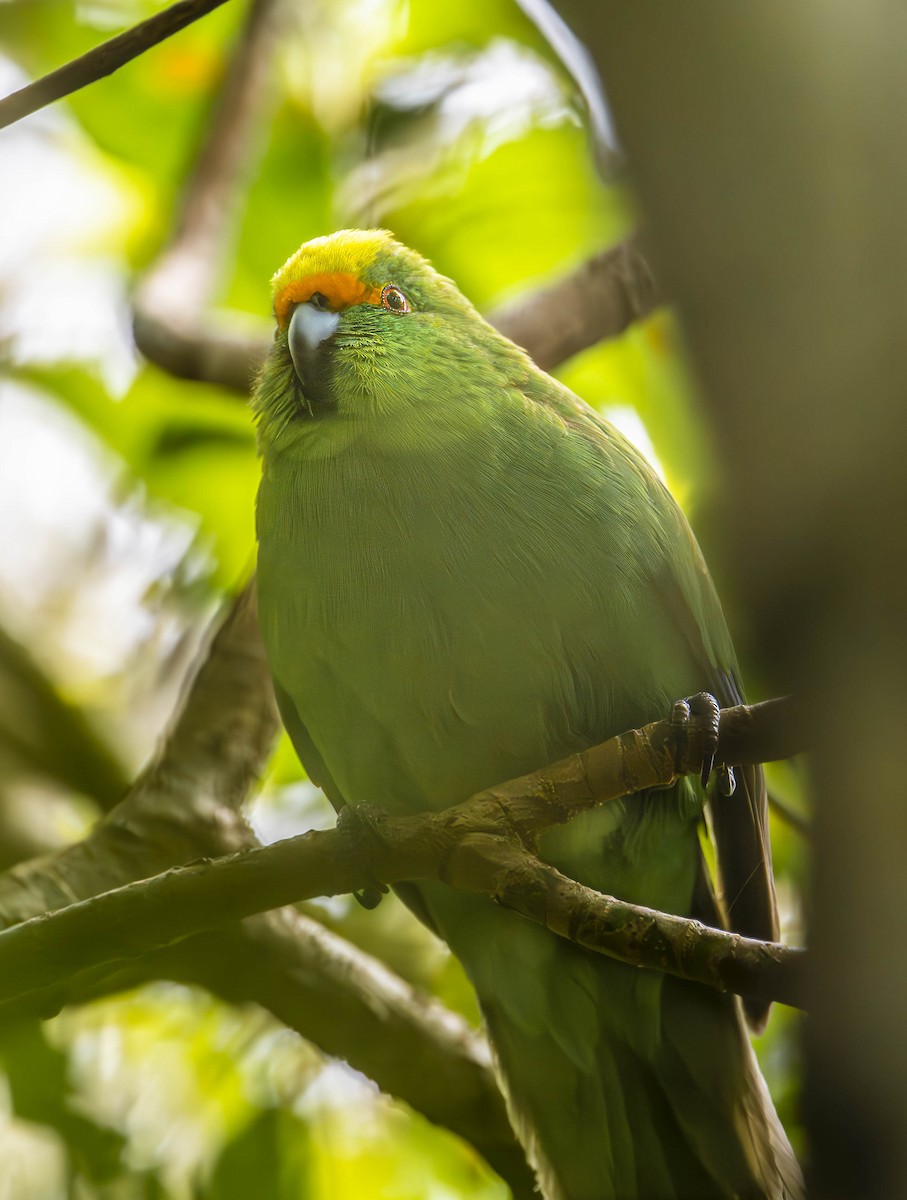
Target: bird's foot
698,720
353,816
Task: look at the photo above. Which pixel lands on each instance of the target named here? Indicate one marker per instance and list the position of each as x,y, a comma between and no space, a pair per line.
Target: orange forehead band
341,290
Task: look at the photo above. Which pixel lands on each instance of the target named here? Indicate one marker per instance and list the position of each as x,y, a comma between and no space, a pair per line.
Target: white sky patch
60,531
506,87
474,104
288,811
33,1158
340,1087
291,810
59,299
77,562
630,424
68,311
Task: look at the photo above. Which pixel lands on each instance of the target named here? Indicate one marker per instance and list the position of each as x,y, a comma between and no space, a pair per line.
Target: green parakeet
465,573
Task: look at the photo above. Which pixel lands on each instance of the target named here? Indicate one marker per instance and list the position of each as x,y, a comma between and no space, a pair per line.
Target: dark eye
319,300
394,300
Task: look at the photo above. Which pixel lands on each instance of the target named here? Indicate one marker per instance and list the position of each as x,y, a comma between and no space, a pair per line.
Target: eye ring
394,300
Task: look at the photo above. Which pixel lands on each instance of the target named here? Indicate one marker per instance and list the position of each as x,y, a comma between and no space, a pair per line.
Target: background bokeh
127,499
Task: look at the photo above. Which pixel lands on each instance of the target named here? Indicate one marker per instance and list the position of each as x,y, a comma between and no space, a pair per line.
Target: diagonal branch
598,300
186,802
102,60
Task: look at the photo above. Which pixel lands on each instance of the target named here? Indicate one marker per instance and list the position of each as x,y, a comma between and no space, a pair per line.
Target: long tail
622,1084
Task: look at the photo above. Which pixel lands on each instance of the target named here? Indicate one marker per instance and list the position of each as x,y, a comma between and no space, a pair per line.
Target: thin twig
102,60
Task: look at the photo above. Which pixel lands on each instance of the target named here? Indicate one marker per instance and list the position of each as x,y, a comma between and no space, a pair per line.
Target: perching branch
102,60
631,933
484,844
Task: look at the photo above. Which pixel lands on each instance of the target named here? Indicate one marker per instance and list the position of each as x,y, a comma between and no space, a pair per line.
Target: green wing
316,770
740,822
306,748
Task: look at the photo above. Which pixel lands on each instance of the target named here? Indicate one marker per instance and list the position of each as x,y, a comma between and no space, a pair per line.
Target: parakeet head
366,330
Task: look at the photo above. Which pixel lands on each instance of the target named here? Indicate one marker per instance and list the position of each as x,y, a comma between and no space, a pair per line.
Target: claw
703,714
370,897
727,781
363,814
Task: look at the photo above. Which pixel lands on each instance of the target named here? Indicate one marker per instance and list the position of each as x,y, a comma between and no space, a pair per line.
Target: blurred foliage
128,499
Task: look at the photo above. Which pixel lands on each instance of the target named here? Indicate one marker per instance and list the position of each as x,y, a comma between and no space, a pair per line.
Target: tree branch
102,60
186,802
631,933
599,300
172,322
483,844
36,716
354,1008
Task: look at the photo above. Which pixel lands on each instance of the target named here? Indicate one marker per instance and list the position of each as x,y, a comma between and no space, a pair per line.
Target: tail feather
702,1029
621,1084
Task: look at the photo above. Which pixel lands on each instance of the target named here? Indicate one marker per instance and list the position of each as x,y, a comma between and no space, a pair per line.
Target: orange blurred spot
659,333
188,69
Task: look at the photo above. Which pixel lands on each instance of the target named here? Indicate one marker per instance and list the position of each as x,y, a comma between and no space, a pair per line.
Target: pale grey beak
309,327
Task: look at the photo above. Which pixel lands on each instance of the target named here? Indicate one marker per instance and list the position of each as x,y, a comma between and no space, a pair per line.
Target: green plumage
464,574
